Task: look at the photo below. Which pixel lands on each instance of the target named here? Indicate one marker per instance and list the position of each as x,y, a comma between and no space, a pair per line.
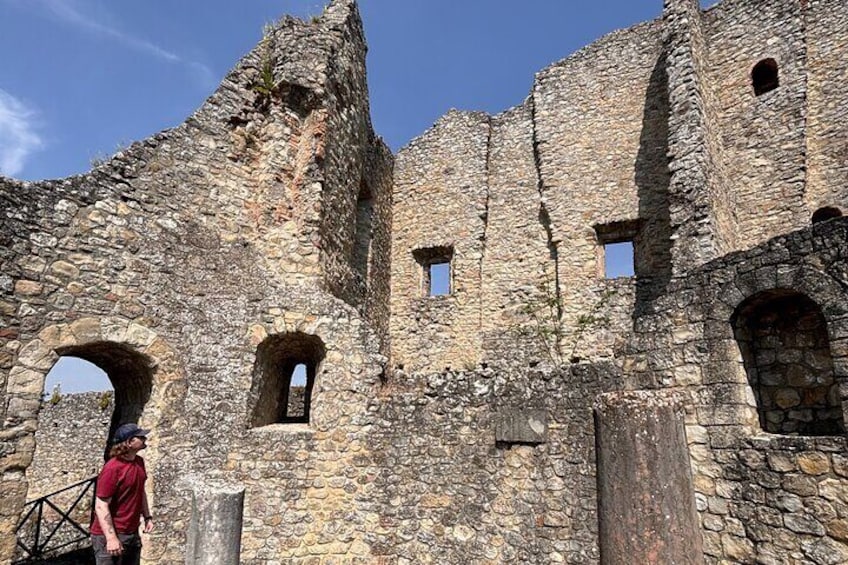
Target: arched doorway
130,372
105,385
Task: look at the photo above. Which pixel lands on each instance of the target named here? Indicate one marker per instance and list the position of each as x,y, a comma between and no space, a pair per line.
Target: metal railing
36,532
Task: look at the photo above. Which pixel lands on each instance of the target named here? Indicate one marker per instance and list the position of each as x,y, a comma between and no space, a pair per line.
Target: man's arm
104,517
145,513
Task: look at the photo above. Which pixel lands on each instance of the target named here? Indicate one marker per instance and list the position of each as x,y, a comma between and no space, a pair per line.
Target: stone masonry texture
274,228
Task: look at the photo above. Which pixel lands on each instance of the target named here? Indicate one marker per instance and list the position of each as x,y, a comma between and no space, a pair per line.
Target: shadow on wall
652,245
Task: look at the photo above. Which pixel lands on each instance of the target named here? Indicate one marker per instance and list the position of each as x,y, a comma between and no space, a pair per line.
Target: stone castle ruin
537,411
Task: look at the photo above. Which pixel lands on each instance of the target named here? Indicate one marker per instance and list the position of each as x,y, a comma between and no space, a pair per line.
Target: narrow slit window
297,393
618,260
364,235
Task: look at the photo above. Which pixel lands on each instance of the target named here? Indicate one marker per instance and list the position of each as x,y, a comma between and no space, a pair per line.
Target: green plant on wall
544,312
56,395
591,319
105,400
545,320
266,86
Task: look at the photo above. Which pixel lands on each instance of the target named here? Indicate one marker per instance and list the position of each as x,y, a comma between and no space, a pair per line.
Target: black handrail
41,544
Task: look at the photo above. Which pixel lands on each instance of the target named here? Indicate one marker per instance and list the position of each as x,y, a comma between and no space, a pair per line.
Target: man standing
121,503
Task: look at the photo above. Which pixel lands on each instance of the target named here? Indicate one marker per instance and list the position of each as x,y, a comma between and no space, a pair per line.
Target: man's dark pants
130,556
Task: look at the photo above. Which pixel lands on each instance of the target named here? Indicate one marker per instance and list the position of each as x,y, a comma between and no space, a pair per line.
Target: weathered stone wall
700,205
599,165
762,497
773,499
522,198
347,139
70,442
695,166
307,486
440,201
274,228
826,27
164,265
763,137
517,268
587,150
375,240
448,491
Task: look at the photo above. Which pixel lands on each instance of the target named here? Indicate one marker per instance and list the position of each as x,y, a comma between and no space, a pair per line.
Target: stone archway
155,377
130,372
727,363
782,335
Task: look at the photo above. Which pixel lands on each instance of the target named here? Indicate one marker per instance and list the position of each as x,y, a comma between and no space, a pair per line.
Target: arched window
826,213
283,378
764,76
785,347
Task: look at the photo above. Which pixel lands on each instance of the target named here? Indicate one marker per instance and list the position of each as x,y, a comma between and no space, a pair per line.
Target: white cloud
18,138
66,11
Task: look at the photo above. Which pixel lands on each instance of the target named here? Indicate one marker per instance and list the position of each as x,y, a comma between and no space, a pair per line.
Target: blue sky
81,78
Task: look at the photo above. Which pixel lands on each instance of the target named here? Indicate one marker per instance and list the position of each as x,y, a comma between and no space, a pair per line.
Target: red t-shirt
123,482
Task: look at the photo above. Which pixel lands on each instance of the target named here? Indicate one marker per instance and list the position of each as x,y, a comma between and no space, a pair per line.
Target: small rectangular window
439,279
618,260
616,253
436,270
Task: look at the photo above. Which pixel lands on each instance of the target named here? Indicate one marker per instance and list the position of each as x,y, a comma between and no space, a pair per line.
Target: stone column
646,498
214,536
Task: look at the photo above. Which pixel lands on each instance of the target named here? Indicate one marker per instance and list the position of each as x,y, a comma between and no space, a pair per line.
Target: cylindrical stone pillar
646,497
214,536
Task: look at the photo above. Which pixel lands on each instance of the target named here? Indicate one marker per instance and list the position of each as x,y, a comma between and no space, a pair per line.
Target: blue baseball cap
129,431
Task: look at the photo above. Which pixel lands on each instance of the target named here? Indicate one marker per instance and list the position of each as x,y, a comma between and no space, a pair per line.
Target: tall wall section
516,241
440,207
763,136
524,201
600,150
653,134
193,262
826,25
701,209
